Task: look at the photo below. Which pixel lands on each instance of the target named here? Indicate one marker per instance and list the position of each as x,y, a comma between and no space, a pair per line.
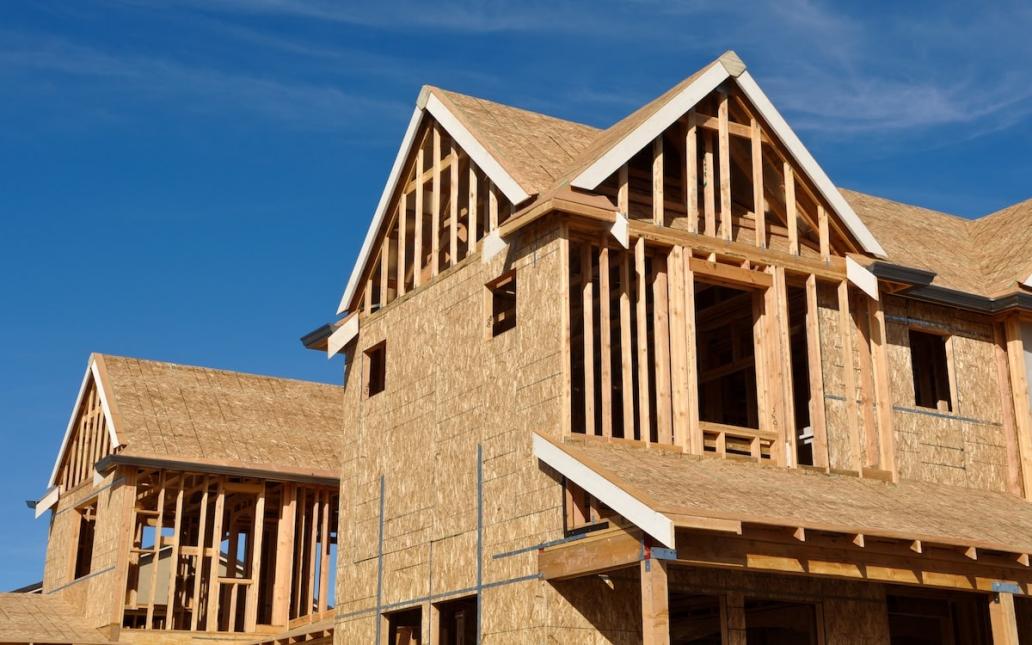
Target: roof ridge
512,107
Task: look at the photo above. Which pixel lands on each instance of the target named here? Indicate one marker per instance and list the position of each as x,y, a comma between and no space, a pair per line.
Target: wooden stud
195,609
1009,422
678,368
587,305
709,199
813,352
822,226
658,216
313,533
1003,619
324,563
626,359
173,562
605,338
655,612
790,210
492,205
566,348
849,374
453,202
284,556
883,394
623,192
435,207
254,543
784,339
691,173
158,525
759,204
661,349
417,233
732,612
471,234
402,241
695,439
644,432
725,171
385,263
216,546
872,454
1020,393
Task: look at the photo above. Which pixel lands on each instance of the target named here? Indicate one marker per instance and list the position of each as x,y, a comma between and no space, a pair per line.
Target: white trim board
652,522
1028,281
686,99
862,278
429,104
91,371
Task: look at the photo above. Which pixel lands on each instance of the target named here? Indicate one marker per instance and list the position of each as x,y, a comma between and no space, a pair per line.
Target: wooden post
825,238
284,556
195,608
417,234
626,358
453,203
324,562
709,199
882,393
849,373
725,169
691,173
299,551
216,548
643,341
156,552
1014,467
658,217
565,312
784,339
732,615
312,535
622,192
1004,620
655,603
759,206
790,210
605,337
402,233
818,419
257,534
661,354
471,234
1021,403
587,304
385,263
678,367
492,205
695,441
173,563
435,207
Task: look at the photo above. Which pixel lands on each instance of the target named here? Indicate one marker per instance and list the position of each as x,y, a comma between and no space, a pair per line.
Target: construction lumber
691,170
214,589
605,337
471,235
818,420
661,349
709,199
658,215
790,210
587,308
453,206
254,543
1020,391
284,555
1003,619
435,206
849,374
644,396
626,357
678,350
417,233
599,552
655,602
724,146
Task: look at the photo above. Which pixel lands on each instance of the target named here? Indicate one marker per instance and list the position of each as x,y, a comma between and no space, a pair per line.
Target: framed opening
929,359
778,622
924,618
376,369
695,619
457,621
726,354
502,301
405,627
84,543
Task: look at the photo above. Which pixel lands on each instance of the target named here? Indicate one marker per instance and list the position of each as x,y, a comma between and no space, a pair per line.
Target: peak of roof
109,358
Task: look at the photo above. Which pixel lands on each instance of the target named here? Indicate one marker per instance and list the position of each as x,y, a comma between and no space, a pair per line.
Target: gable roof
185,413
38,618
685,488
989,256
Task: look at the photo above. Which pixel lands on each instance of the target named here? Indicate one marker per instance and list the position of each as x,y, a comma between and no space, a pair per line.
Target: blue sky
190,181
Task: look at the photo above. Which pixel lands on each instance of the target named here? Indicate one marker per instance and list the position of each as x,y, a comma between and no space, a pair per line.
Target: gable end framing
430,104
718,72
93,372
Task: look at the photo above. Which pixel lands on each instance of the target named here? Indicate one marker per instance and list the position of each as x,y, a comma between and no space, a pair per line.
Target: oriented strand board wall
449,388
103,588
842,445
966,447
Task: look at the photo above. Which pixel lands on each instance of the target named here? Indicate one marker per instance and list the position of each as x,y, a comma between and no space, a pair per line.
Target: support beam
678,353
658,215
284,556
417,240
882,393
453,203
587,309
255,572
471,234
822,227
159,523
173,561
626,357
1020,394
435,207
402,242
324,562
492,205
597,553
213,569
695,439
661,349
791,213
655,603
199,557
709,199
818,419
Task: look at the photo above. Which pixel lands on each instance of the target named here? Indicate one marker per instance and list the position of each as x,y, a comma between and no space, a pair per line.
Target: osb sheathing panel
967,446
102,588
854,613
842,444
159,637
449,388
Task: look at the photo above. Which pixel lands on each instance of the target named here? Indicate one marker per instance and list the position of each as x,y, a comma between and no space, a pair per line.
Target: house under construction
660,383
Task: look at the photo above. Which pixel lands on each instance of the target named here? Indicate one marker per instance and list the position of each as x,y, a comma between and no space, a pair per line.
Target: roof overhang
257,471
920,286
729,66
429,103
